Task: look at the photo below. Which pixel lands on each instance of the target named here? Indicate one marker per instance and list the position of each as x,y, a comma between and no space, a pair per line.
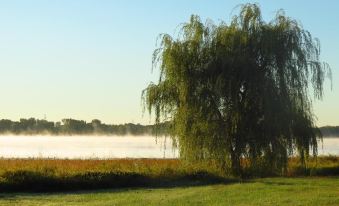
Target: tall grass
61,174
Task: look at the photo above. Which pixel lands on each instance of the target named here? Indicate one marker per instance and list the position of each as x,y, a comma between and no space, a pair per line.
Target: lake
86,147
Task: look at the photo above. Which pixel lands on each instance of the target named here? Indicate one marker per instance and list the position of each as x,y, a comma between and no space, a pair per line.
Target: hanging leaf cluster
240,90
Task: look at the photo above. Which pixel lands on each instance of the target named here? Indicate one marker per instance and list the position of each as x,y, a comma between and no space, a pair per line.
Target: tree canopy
239,90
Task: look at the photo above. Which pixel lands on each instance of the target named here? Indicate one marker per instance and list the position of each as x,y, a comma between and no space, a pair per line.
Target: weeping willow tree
240,90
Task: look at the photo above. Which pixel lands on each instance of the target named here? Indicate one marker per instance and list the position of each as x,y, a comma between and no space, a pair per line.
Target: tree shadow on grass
157,184
33,182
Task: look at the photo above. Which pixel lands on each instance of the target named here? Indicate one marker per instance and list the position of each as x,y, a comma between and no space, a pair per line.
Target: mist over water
103,147
329,146
86,147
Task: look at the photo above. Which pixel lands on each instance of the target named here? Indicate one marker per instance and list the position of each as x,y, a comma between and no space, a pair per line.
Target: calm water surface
72,147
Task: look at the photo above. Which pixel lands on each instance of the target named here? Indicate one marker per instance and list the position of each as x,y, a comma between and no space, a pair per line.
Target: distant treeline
34,126
330,131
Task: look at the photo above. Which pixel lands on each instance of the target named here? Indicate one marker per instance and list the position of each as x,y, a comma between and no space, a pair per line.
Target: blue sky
91,59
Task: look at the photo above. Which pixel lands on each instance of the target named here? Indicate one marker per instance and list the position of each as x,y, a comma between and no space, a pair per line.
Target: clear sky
89,59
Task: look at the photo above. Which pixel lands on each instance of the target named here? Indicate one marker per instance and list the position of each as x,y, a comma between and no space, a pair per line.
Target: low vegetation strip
36,175
267,191
62,175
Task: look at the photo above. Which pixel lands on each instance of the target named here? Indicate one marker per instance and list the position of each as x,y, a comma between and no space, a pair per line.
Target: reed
65,174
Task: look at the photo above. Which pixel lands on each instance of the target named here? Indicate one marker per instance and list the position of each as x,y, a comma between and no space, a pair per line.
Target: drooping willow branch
239,90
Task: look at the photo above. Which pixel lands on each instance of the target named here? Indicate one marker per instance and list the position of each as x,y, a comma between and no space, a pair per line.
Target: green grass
161,182
42,175
268,191
34,175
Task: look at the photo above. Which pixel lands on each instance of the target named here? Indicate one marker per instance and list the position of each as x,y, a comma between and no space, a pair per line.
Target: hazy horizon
88,147
91,59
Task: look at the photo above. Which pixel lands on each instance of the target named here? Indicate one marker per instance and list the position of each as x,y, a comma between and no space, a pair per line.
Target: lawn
267,191
161,182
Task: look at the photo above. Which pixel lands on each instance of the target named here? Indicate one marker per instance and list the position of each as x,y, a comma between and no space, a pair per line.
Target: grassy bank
271,191
63,175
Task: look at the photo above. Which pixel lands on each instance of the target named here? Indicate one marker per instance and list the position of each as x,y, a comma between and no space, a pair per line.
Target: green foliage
330,131
239,90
